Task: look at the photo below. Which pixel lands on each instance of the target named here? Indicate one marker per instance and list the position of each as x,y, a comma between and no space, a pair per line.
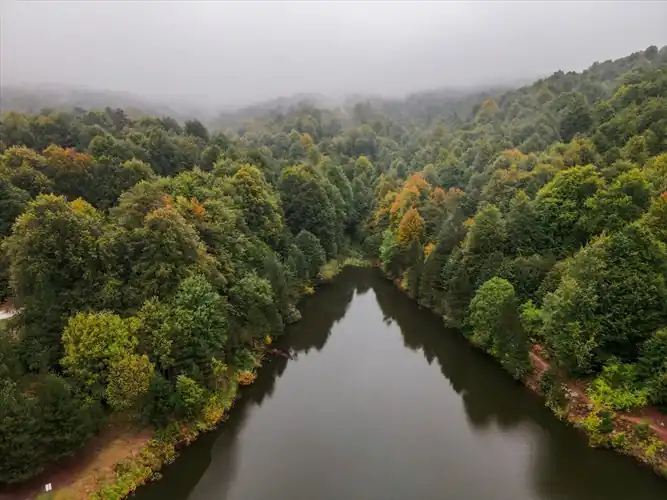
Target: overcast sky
239,52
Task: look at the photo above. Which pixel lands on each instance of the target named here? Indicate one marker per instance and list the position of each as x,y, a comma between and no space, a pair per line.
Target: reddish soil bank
76,477
656,420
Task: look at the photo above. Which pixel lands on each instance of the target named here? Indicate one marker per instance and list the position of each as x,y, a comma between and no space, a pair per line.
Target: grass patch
333,268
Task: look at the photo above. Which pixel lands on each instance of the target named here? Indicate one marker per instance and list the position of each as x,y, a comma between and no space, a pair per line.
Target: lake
383,402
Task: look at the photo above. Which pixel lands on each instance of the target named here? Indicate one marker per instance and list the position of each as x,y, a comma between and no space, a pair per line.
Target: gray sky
230,52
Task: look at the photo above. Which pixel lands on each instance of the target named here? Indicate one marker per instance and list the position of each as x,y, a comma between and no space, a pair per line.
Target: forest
152,260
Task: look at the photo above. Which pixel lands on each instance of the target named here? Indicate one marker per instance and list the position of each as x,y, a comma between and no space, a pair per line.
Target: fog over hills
206,57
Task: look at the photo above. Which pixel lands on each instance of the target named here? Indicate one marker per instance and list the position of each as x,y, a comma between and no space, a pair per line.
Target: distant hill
245,114
427,104
33,98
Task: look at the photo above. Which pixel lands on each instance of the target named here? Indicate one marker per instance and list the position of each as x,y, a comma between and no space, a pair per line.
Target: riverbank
120,459
124,456
640,433
141,461
341,429
78,476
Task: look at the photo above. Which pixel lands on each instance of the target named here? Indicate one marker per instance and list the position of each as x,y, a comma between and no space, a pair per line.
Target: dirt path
656,420
76,477
652,416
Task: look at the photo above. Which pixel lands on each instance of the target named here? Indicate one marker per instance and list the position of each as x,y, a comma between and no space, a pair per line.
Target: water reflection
321,312
564,466
333,422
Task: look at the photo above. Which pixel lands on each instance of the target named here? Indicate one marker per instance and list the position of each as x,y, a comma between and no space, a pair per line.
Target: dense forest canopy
149,258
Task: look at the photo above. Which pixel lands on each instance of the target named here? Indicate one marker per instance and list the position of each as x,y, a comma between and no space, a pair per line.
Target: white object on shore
7,313
48,487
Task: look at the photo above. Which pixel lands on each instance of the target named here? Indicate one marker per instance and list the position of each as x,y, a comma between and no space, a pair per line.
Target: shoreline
640,433
117,480
114,464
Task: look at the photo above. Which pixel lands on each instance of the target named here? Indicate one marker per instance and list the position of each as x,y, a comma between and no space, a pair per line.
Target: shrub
246,377
41,426
642,430
329,270
190,398
161,402
619,440
616,387
595,426
547,382
244,360
606,422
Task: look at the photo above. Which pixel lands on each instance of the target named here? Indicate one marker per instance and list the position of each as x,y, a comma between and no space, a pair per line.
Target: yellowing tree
414,191
410,228
487,110
129,381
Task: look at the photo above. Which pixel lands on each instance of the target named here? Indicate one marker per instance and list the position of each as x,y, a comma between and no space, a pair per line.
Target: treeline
150,259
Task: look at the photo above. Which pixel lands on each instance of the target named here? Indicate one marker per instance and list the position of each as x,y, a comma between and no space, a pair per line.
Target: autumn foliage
410,228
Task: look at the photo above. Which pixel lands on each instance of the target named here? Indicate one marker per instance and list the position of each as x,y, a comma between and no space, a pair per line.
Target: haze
234,53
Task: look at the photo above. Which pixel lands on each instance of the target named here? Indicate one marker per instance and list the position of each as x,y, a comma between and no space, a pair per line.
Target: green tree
195,128
107,145
612,208
15,130
522,226
55,270
41,426
655,219
13,202
559,206
610,299
297,263
24,167
363,200
431,286
152,260
128,382
93,343
190,398
390,253
484,245
527,273
163,154
284,283
337,178
255,312
496,326
196,323
312,251
259,203
307,206
458,287
209,156
70,171
414,273
576,117
652,367
112,179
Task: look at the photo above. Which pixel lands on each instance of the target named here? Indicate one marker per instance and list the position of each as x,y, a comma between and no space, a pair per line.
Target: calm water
384,403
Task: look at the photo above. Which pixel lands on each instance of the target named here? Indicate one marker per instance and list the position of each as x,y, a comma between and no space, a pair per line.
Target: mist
236,53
